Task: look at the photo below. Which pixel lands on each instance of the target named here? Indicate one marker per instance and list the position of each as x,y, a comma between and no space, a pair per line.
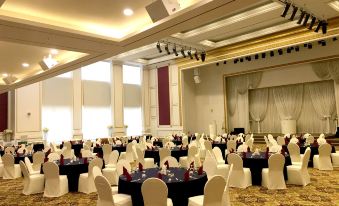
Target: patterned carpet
323,191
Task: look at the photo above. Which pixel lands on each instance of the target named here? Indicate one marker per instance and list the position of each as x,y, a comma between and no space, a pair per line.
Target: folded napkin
24,151
186,176
80,155
200,170
85,160
141,168
166,164
248,149
48,152
160,175
192,164
46,159
126,174
61,159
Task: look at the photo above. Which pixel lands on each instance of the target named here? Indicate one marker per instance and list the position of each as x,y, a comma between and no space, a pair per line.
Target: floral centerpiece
45,130
8,134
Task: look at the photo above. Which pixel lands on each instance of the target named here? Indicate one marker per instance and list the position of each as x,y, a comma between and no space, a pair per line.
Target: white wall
209,94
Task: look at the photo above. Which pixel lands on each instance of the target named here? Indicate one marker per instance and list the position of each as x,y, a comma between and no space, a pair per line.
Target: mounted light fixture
196,55
306,19
303,13
159,47
312,22
287,7
183,52
175,50
295,9
324,27
320,23
167,49
203,56
189,52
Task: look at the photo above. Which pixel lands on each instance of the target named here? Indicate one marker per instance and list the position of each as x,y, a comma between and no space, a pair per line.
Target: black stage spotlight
263,55
287,7
288,50
297,49
306,19
324,27
303,13
320,23
203,56
280,51
159,47
256,56
312,22
217,64
225,62
189,52
167,49
182,51
175,50
272,53
335,39
249,58
241,60
295,9
310,46
235,61
196,55
305,45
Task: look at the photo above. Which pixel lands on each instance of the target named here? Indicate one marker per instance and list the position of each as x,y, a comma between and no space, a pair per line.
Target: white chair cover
298,174
11,170
33,184
273,176
218,155
241,177
55,185
86,180
53,157
281,140
154,192
106,150
172,162
38,160
163,153
294,152
226,196
323,160
30,168
231,144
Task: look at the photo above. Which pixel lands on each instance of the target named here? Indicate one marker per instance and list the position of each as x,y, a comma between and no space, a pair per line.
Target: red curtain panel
3,111
164,96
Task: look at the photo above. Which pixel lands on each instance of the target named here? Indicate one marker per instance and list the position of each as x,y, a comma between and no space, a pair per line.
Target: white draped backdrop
312,105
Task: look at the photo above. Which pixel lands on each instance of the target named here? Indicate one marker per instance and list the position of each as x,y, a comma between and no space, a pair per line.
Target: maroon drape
3,111
164,96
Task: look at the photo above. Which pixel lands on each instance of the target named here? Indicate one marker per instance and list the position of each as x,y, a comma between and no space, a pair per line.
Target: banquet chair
185,161
273,176
9,150
46,149
97,172
88,143
334,157
163,153
1,167
213,193
85,153
281,140
298,174
120,165
202,149
22,149
217,139
29,149
208,146
247,137
294,151
226,195
112,160
172,162
218,155
29,167
38,160
68,153
309,140
106,151
231,144
154,192
268,144
11,170
146,162
241,177
185,141
55,149
67,145
33,184
321,140
294,140
323,160
130,153
86,180
212,168
53,157
55,185
105,197
249,143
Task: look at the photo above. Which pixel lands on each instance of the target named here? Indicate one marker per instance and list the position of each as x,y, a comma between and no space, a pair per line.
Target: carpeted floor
323,191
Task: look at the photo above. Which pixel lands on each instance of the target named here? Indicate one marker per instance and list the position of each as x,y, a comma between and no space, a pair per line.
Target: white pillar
117,100
77,102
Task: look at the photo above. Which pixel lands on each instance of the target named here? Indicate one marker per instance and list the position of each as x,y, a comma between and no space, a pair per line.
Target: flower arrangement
109,127
45,130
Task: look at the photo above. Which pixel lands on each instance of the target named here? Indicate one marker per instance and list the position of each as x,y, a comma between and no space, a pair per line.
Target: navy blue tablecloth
178,190
121,148
175,152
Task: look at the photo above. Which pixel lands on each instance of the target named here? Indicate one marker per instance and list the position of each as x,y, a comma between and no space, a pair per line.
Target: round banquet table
73,169
17,158
257,162
178,190
223,146
157,143
175,152
119,148
38,147
314,151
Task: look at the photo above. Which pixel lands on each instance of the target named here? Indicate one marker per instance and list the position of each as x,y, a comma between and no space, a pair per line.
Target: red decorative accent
141,168
3,111
200,170
186,176
160,175
164,96
167,165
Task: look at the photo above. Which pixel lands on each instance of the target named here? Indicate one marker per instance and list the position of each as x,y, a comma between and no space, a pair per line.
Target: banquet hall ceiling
98,30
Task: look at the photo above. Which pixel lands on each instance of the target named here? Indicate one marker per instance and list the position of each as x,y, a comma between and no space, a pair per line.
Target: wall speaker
161,9
2,2
43,65
9,79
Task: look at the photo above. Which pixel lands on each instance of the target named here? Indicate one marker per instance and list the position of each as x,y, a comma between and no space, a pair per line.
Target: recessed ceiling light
25,65
128,12
54,51
334,5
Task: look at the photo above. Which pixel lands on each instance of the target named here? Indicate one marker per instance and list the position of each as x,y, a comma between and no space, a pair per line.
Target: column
117,102
77,102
